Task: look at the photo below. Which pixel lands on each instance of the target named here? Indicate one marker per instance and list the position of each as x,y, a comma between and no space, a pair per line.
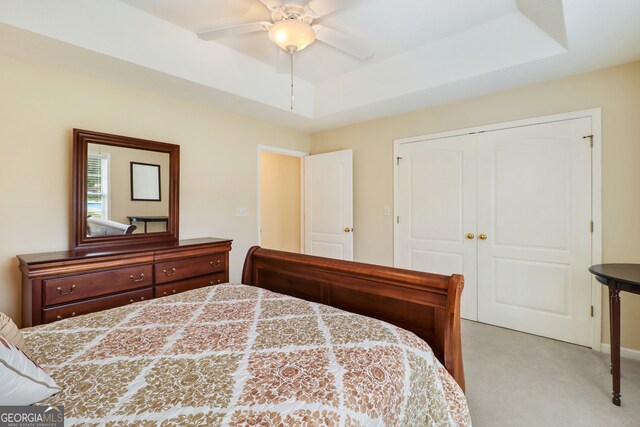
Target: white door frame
285,152
596,193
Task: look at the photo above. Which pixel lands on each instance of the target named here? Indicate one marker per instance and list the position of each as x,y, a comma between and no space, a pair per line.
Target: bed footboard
423,303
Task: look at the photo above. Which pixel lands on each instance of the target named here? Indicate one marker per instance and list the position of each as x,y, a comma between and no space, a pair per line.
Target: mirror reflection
127,190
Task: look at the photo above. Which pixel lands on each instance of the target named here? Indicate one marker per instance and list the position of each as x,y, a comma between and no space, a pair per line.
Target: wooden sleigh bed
303,340
424,303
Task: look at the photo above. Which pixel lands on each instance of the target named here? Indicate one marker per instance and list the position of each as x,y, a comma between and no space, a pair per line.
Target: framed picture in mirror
145,182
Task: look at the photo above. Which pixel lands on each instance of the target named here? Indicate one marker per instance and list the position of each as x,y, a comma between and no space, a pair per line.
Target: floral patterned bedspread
239,355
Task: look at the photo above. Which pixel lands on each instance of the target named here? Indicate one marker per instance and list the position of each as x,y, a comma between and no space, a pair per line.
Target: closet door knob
483,236
471,236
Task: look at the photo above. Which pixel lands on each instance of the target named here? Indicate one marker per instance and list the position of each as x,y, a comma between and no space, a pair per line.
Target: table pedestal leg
610,331
614,307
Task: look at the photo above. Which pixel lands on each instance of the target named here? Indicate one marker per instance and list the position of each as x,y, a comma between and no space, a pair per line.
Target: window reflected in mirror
97,185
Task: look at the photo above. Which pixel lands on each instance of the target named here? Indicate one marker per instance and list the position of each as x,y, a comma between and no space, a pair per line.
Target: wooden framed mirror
104,212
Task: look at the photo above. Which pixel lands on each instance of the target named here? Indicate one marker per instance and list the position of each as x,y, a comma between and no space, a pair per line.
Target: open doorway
280,199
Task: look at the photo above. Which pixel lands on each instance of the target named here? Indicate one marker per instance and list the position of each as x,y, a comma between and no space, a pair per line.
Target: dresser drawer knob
61,292
141,298
131,300
215,263
59,317
139,279
169,273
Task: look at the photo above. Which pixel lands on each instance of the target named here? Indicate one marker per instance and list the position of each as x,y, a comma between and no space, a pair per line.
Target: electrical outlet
242,212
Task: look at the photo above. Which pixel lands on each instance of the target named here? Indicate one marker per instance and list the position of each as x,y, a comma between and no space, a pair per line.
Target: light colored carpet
516,379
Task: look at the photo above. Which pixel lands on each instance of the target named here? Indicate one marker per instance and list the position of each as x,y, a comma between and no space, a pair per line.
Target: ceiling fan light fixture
292,35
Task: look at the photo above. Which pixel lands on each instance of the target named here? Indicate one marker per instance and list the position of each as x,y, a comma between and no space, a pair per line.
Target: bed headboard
423,303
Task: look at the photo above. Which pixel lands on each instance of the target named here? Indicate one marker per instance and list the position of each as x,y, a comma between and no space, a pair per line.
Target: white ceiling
426,51
388,27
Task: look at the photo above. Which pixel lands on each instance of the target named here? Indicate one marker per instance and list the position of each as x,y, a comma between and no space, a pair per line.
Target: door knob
470,236
348,229
483,236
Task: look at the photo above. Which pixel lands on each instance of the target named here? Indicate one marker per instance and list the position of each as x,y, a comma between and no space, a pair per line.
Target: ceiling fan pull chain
291,54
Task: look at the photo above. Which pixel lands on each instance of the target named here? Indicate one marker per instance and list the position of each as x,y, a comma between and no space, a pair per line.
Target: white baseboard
626,353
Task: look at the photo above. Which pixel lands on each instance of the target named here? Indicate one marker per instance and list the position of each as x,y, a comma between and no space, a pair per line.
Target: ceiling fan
292,30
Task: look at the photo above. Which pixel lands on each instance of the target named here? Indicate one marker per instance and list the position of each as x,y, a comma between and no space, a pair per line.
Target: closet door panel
437,209
534,206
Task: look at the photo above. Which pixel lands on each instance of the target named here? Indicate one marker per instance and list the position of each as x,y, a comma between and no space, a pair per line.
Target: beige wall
121,205
39,107
280,201
616,90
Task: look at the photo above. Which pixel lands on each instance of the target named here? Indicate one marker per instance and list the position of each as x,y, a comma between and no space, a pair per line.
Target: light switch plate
242,212
387,211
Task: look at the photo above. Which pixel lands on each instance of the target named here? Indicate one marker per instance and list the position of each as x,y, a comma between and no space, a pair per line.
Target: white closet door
534,205
328,199
437,209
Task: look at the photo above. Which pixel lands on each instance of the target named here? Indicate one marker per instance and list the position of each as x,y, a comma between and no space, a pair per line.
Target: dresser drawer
188,284
89,285
171,271
97,304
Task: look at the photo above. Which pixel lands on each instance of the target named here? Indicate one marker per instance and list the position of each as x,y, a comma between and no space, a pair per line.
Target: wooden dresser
57,285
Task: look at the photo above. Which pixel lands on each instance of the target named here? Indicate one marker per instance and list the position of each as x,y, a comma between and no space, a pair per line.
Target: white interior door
328,201
437,210
534,206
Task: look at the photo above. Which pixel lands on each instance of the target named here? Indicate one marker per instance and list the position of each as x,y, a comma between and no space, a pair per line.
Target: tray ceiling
388,27
426,51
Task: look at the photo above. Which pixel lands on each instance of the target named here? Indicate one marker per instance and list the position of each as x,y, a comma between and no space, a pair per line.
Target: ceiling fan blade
284,62
343,42
234,30
273,5
320,8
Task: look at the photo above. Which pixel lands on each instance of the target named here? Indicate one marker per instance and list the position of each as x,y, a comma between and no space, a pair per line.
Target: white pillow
10,332
22,382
